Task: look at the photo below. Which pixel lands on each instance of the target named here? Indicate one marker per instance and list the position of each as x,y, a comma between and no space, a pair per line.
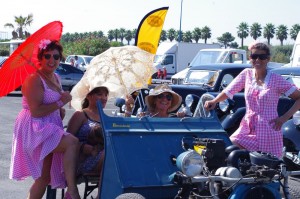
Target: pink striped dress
34,139
255,133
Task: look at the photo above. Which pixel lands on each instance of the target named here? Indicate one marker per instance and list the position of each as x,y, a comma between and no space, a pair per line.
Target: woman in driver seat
161,102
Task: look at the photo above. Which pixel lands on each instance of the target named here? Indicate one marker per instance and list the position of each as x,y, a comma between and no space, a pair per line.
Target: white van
295,57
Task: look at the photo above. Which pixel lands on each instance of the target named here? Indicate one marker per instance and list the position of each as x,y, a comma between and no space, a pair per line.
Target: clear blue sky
93,15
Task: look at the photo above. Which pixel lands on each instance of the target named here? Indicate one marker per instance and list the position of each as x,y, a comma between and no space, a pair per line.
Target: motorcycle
208,169
231,118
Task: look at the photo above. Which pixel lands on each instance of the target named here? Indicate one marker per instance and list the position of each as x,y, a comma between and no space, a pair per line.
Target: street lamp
179,39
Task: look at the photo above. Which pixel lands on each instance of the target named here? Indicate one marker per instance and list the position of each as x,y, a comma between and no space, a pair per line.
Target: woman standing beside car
260,129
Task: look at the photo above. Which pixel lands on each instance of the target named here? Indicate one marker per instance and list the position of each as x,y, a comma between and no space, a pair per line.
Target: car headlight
224,105
190,163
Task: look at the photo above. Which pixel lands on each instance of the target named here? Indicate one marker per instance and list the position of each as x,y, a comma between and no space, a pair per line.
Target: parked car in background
83,60
70,75
2,60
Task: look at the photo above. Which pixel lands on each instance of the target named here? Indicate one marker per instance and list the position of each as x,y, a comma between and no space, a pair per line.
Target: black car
70,75
212,78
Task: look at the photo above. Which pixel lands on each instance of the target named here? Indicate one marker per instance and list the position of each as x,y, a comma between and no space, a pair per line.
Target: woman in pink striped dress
41,148
260,129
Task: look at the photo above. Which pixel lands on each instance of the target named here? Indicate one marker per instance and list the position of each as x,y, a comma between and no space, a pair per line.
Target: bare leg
69,145
38,188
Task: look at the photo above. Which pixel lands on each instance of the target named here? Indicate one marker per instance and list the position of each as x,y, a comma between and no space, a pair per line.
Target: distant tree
205,33
177,35
294,31
269,31
188,37
255,30
243,32
282,33
225,39
116,34
171,34
128,36
111,35
21,24
233,45
163,35
122,32
196,34
133,32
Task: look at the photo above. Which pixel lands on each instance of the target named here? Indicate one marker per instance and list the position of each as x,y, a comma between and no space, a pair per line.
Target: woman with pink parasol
41,147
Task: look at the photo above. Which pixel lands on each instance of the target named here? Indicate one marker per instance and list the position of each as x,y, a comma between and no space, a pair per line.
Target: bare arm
75,122
210,105
278,122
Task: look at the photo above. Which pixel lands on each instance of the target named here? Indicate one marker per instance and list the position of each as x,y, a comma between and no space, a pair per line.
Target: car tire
130,196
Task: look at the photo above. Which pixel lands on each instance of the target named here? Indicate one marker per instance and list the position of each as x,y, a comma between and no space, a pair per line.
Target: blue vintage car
140,153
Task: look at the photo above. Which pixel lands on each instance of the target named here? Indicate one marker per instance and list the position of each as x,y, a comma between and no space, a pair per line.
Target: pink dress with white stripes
255,133
34,139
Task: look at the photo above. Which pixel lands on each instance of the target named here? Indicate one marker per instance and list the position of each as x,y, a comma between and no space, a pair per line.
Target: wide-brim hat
176,99
81,90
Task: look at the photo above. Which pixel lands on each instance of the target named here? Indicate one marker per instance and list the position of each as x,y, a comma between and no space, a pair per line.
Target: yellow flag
149,30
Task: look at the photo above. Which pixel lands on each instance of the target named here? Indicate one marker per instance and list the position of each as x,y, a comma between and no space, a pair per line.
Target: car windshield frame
202,77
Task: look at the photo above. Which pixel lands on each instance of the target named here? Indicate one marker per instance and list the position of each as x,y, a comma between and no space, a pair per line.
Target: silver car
70,75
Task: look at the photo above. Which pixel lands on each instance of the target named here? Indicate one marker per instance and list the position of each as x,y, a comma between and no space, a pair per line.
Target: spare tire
130,196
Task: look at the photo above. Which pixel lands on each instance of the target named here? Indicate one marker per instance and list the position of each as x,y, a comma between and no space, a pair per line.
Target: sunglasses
167,96
55,56
260,56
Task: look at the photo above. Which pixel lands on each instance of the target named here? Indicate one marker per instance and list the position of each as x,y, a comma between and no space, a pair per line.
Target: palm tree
133,33
294,31
243,32
188,36
22,23
205,33
196,34
171,33
122,32
116,34
128,36
282,33
225,39
269,31
110,35
163,35
255,30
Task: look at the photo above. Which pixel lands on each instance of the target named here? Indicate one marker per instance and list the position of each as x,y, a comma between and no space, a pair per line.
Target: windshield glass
158,58
88,59
208,77
207,57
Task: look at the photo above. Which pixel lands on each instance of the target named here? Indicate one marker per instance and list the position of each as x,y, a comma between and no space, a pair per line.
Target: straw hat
81,90
176,100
